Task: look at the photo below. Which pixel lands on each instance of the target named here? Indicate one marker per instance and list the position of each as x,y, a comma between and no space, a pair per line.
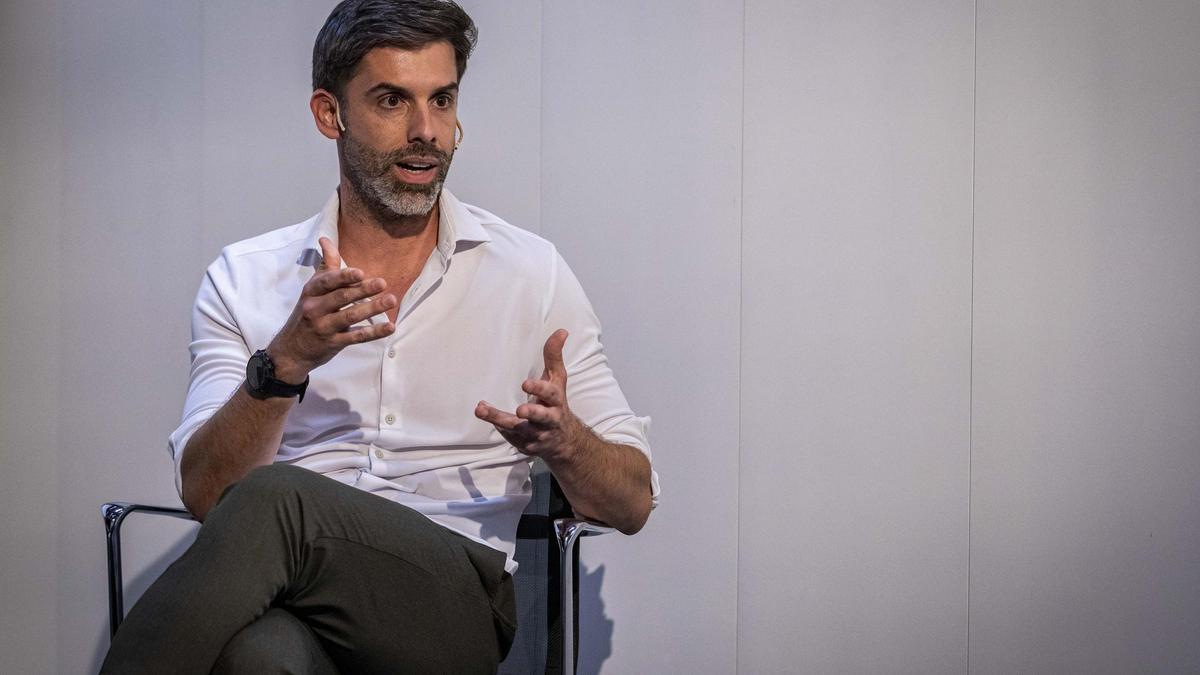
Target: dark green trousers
294,567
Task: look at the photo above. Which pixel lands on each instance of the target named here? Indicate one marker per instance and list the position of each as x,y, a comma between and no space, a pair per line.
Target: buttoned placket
374,452
391,396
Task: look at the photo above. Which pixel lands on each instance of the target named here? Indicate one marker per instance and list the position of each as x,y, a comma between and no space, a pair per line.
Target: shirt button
390,419
379,454
391,353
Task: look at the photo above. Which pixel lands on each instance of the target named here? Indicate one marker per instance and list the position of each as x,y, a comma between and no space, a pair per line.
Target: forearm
606,482
243,434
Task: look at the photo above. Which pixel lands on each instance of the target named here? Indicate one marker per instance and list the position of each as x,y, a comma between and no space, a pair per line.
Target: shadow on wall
137,585
595,628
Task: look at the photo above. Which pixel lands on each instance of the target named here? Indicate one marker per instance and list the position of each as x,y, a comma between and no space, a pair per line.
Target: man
347,355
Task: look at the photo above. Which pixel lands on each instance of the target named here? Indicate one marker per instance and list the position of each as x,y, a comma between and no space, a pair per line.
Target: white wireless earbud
337,113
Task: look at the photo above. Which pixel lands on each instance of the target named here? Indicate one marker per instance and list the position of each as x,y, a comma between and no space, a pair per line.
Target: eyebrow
397,89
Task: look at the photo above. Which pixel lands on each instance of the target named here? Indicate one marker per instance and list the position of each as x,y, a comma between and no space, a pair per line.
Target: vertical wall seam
200,235
541,114
541,138
737,566
971,369
59,107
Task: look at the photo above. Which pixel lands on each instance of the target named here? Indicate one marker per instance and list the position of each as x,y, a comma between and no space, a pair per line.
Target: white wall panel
130,226
856,254
30,165
499,164
1085,498
264,163
641,124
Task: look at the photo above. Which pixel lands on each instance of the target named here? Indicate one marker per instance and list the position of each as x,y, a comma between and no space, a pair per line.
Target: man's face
400,110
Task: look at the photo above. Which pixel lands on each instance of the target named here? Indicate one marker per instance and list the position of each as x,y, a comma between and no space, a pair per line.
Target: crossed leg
381,587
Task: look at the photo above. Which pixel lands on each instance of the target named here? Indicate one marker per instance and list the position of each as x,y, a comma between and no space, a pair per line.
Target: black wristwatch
261,382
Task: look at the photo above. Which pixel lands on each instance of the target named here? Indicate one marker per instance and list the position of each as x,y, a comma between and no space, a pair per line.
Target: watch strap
269,386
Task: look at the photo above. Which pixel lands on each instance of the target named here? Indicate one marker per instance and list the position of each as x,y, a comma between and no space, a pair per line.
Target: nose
420,124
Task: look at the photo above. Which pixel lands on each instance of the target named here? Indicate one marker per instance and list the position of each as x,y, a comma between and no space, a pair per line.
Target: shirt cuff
633,431
178,440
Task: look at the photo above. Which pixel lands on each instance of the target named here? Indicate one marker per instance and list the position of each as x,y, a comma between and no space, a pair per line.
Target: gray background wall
910,290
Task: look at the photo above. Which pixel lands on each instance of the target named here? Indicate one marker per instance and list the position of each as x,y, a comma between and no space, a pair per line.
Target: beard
387,197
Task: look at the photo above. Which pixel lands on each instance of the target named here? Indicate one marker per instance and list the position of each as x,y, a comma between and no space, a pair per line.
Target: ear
326,114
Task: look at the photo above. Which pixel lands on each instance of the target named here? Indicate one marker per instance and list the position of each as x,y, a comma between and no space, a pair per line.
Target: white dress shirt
396,416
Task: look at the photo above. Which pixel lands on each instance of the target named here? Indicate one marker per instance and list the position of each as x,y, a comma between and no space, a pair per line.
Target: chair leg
566,563
568,531
113,514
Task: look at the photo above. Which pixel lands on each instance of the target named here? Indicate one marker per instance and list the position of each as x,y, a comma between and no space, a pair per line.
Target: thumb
331,259
552,354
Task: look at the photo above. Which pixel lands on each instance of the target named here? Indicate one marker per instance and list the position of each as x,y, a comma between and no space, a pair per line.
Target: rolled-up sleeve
592,390
219,355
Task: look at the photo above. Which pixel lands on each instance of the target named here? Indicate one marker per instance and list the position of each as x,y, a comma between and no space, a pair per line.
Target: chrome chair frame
566,531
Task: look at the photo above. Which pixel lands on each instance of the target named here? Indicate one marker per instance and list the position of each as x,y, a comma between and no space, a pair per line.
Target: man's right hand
320,324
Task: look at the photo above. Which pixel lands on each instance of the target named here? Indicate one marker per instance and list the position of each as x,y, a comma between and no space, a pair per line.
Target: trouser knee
270,483
279,477
277,642
266,493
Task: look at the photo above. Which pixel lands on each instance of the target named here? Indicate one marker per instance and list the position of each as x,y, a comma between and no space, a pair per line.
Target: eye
443,100
391,101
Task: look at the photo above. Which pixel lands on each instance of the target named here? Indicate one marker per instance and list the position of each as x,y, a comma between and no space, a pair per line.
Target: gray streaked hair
357,26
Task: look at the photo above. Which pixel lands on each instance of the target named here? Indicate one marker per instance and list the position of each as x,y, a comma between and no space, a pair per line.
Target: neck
368,238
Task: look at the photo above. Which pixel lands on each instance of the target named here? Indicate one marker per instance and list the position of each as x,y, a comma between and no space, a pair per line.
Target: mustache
418,149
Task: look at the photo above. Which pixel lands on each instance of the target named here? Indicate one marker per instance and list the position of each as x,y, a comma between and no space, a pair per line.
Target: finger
552,354
502,420
340,321
324,282
546,392
517,440
348,295
523,437
365,334
330,258
537,414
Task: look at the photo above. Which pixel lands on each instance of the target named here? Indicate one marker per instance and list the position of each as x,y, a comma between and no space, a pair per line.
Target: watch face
256,372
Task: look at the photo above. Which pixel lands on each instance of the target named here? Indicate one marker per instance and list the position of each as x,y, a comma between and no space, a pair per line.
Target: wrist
263,382
287,369
576,441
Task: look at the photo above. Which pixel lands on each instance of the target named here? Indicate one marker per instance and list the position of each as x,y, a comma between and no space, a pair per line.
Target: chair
547,583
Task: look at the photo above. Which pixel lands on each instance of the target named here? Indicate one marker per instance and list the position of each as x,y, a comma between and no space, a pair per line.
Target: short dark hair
357,26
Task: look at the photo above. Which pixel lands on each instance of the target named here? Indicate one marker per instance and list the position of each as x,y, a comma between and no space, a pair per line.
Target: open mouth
417,171
416,167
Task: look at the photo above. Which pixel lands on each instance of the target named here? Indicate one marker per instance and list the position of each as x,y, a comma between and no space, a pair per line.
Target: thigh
376,613
385,588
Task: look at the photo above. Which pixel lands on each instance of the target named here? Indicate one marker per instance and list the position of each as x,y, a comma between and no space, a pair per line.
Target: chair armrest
568,531
114,514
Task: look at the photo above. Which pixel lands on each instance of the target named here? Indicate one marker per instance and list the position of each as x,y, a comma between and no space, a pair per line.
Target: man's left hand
543,427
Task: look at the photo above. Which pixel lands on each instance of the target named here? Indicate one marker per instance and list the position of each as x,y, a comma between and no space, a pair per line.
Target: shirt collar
458,229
